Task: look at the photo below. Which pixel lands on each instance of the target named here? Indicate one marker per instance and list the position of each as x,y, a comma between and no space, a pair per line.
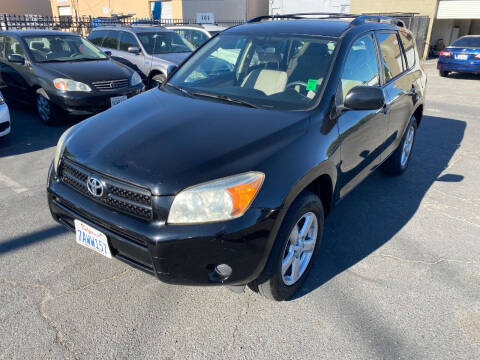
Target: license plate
92,239
117,100
462,57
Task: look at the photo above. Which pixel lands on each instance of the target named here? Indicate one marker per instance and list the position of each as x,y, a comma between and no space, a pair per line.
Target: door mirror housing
134,50
108,53
16,59
364,98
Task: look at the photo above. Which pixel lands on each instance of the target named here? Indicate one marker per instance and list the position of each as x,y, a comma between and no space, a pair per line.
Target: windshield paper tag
312,85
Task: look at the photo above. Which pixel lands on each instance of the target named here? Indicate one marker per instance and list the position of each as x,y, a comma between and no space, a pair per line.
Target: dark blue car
462,56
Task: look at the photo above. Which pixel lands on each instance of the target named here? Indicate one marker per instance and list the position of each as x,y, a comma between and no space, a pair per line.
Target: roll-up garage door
458,9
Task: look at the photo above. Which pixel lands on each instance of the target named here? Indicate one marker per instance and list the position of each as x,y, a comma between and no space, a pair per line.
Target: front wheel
47,112
295,248
398,162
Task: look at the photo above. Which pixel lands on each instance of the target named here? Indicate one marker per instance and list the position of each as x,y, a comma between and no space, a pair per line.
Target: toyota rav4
225,173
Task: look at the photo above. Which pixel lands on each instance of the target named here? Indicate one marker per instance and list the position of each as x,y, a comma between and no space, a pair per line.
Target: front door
363,133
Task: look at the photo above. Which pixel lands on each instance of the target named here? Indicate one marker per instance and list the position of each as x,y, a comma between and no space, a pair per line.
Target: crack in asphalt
438,261
48,296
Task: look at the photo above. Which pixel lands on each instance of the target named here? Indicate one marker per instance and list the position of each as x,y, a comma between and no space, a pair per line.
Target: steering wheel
303,91
295,83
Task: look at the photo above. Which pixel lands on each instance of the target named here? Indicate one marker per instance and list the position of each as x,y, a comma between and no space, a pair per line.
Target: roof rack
358,19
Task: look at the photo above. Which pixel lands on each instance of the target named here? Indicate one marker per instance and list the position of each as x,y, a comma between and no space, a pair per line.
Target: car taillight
445,53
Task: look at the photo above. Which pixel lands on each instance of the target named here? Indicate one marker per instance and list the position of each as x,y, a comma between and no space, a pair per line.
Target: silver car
4,118
152,51
197,34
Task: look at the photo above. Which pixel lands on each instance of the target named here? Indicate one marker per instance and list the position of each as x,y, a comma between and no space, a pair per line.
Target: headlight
135,80
70,85
218,200
60,148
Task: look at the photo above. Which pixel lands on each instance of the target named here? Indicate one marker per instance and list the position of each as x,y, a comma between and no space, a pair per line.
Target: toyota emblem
95,187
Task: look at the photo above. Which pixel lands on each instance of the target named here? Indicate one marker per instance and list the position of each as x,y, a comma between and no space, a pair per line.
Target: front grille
125,198
111,85
4,126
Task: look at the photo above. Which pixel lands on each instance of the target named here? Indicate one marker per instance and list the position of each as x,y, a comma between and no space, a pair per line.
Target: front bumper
472,66
90,103
175,254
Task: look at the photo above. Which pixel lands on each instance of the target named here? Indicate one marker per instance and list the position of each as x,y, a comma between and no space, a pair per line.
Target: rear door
400,87
363,133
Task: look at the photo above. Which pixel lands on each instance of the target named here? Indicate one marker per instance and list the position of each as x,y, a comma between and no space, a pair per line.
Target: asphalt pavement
398,275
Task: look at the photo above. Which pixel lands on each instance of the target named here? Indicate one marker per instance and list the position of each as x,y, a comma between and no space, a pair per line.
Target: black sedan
63,72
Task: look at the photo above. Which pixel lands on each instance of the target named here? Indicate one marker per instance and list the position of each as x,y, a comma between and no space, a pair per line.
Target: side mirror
16,59
108,53
364,98
134,50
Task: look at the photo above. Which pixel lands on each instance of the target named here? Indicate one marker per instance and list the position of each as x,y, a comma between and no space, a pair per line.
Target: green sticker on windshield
312,85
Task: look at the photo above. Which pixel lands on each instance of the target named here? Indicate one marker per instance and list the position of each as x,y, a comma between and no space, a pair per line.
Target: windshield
284,72
62,48
164,42
469,41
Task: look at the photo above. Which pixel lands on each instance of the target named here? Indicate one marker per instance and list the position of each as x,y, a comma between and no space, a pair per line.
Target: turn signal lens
218,200
445,53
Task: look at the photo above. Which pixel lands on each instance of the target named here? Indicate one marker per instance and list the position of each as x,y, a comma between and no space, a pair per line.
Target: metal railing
82,25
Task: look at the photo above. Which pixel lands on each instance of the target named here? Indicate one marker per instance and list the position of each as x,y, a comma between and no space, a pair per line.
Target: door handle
385,108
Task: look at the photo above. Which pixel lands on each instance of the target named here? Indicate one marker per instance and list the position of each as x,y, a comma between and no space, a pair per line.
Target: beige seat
269,81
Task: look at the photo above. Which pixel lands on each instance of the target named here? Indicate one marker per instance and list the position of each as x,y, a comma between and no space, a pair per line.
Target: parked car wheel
47,111
296,246
157,80
444,73
398,162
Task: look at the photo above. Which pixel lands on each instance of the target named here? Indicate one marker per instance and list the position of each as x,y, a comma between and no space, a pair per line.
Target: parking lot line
12,184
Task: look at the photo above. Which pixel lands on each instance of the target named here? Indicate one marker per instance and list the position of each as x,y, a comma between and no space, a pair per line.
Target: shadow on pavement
381,206
31,239
464,76
29,133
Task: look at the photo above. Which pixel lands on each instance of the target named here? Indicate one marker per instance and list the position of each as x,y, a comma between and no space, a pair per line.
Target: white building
279,7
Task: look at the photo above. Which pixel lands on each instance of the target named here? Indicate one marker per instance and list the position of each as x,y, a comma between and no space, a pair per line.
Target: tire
398,161
157,80
275,283
444,73
47,111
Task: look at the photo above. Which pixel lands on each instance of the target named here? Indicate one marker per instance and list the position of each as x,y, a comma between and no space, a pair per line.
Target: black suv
224,175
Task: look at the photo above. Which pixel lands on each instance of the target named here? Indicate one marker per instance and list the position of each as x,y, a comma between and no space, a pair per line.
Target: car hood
168,142
88,71
173,58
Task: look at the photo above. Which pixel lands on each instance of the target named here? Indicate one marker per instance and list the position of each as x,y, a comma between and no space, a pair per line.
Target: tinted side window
198,37
96,37
111,40
127,40
361,65
392,56
13,47
2,42
409,47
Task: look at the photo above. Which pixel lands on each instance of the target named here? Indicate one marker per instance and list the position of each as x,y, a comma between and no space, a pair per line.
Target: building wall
420,7
225,9
296,6
26,7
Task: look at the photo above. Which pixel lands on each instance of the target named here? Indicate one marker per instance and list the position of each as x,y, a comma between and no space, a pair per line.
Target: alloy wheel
299,248
407,146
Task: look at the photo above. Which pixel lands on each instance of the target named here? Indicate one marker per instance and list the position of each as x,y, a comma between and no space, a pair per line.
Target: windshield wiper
226,98
182,90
